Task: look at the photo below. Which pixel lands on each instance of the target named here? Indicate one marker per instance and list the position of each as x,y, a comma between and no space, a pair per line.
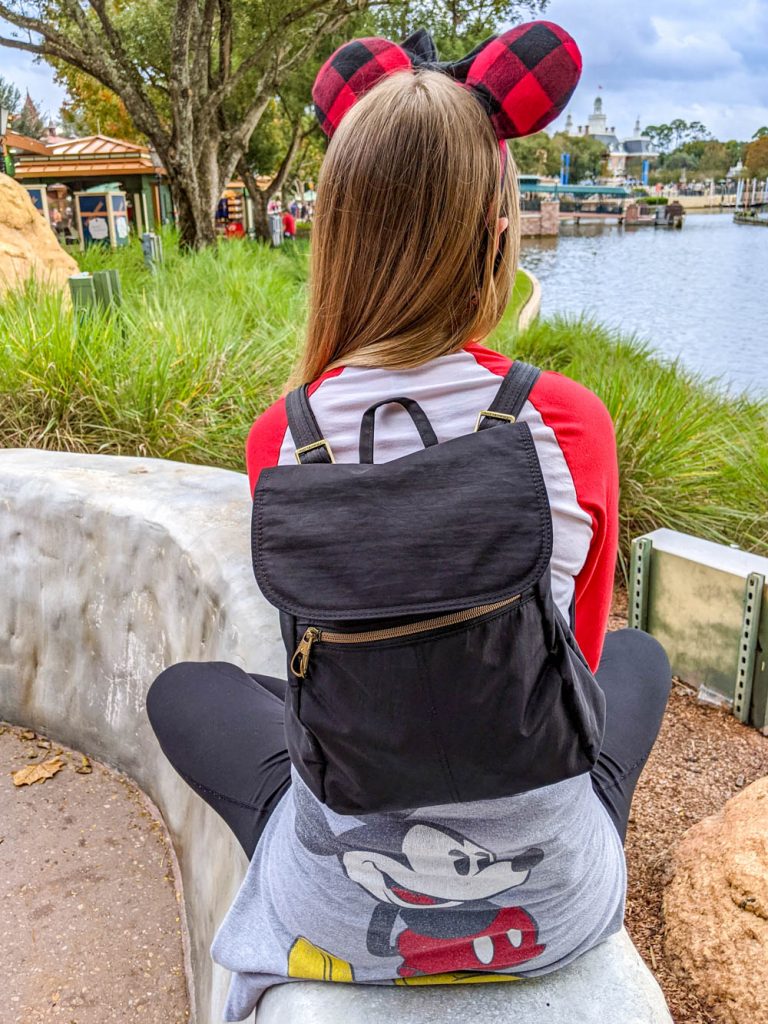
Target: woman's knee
633,650
158,699
170,692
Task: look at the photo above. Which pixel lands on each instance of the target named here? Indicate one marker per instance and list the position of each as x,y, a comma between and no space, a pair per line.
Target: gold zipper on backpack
314,634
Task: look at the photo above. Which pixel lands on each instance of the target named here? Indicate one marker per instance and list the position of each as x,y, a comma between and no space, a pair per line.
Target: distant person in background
294,208
289,225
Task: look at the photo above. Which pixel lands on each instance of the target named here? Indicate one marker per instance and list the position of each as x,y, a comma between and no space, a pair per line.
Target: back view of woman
414,252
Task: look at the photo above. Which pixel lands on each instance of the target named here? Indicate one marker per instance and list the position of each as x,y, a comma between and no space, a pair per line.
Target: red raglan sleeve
584,431
262,449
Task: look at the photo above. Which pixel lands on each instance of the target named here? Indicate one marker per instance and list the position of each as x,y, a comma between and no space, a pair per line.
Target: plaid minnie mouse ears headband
523,78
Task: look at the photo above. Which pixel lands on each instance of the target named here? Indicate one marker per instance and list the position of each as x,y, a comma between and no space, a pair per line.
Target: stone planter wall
113,569
532,307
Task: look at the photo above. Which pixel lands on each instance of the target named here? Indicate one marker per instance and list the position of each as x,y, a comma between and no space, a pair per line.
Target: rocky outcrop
28,246
716,909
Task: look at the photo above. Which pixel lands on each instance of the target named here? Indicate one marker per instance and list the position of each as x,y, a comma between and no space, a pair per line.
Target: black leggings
222,730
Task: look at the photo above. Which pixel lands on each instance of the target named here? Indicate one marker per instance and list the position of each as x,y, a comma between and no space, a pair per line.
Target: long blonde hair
404,240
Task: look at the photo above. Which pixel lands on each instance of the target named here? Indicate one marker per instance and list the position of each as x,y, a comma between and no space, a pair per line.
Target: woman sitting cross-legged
441,790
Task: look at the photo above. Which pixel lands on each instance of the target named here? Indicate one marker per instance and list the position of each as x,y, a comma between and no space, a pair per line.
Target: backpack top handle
313,448
414,410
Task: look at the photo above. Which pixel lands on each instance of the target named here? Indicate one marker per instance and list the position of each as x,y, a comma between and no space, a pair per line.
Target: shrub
181,371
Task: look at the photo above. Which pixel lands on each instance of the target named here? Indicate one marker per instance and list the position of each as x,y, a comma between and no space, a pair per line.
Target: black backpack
428,662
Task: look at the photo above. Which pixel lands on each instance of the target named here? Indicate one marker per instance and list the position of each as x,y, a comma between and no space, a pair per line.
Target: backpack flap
459,524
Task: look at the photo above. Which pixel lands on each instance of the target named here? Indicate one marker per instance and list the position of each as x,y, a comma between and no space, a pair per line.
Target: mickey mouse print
433,889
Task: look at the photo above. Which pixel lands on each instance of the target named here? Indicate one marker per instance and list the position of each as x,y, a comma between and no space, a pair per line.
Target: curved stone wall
532,307
113,569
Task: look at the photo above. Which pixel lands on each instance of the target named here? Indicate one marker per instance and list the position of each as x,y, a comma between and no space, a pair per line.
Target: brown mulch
703,756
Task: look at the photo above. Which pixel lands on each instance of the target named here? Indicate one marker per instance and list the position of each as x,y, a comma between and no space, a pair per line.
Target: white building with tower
619,150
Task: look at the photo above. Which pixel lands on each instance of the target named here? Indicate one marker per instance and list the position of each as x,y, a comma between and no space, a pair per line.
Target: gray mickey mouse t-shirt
515,887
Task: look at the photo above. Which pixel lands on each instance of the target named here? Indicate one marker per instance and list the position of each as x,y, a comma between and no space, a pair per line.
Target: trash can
276,228
152,247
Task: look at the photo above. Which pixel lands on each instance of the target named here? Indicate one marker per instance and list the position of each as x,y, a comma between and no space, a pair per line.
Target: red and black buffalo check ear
525,77
351,71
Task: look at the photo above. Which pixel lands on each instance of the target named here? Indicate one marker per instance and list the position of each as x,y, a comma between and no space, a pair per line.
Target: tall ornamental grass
691,457
196,352
203,345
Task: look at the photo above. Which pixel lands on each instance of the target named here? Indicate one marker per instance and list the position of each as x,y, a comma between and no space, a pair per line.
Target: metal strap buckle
310,447
494,416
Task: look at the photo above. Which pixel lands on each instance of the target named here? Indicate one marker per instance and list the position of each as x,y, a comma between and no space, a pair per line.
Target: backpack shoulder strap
511,396
311,446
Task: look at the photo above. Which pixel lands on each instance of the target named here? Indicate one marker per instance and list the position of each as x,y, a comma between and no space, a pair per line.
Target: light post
4,115
565,168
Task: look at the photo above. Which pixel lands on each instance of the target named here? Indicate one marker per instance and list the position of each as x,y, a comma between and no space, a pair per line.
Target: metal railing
580,206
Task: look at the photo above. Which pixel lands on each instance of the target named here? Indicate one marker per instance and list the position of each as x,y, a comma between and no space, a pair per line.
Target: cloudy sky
701,60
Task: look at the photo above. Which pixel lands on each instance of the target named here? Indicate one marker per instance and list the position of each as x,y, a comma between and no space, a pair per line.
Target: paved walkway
89,910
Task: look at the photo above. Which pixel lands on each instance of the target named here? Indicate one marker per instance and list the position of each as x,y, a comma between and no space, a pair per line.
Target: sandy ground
90,930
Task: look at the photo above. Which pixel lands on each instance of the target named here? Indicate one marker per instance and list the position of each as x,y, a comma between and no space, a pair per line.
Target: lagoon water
700,294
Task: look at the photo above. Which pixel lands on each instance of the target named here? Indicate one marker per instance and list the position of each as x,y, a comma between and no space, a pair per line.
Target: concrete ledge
118,567
532,307
705,202
115,568
608,985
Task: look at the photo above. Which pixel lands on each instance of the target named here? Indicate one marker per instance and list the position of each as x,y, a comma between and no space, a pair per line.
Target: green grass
690,457
196,353
200,348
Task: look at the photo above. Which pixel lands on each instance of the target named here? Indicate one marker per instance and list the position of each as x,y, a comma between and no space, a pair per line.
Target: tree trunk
195,189
260,216
260,199
194,219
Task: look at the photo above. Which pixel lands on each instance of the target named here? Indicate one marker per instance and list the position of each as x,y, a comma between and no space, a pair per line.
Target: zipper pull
300,659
